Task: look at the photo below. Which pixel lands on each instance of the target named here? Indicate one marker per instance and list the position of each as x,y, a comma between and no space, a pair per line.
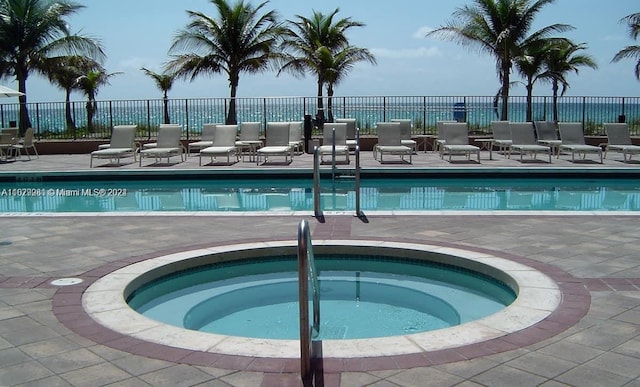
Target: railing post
148,120
333,154
316,183
359,213
186,111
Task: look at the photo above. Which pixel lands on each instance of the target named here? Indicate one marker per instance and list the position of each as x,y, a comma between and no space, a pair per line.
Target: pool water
394,194
361,297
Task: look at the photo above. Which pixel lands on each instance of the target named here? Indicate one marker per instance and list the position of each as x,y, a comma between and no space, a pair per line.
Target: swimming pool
295,193
258,298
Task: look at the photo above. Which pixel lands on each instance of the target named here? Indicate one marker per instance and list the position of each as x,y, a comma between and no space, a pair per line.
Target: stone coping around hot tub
538,297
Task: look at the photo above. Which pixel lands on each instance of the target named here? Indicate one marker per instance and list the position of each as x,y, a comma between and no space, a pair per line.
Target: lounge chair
389,142
168,144
206,140
524,140
25,144
619,140
439,141
150,145
295,136
122,144
456,140
249,140
276,142
546,134
341,148
573,140
405,134
224,144
501,132
352,131
7,140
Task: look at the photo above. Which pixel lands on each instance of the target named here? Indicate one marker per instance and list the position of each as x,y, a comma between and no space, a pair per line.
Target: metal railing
317,208
49,119
307,273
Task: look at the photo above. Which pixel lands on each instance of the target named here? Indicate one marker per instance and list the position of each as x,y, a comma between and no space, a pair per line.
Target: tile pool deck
46,338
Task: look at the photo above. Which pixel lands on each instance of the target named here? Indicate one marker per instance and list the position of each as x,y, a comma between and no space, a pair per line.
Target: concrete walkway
46,339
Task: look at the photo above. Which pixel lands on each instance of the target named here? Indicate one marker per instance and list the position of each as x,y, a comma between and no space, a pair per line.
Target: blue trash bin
460,112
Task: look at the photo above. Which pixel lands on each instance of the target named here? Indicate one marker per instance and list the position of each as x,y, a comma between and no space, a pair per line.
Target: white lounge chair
547,134
249,140
352,131
223,144
25,144
390,142
295,136
524,140
619,140
501,132
405,134
276,142
206,139
572,138
122,144
341,148
8,139
150,145
456,140
439,141
168,144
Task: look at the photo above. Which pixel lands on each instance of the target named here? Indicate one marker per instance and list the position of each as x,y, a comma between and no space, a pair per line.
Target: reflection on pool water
360,297
391,194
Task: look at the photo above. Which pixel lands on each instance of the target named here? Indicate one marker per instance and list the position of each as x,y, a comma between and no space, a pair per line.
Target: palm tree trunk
24,122
529,114
330,102
320,114
555,101
506,68
91,111
165,102
71,125
232,118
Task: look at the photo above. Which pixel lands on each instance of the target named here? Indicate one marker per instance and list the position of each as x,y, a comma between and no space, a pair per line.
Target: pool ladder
317,210
307,276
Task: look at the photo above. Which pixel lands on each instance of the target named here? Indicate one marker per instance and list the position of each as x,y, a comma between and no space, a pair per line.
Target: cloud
407,53
421,32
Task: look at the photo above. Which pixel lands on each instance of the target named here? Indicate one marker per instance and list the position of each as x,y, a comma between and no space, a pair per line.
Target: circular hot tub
536,297
361,296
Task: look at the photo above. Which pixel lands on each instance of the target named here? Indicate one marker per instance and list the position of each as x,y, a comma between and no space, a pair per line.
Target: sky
138,33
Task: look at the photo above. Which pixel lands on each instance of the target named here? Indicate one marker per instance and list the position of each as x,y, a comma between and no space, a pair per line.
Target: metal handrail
317,211
359,213
307,271
316,183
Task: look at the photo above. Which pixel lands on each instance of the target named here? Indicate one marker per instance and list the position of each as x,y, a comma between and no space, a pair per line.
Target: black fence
50,122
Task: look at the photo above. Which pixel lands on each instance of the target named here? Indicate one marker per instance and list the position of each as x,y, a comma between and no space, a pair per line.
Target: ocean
48,118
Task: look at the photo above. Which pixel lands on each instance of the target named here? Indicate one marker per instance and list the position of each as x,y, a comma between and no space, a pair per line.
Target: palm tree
563,58
90,84
338,65
531,66
501,28
32,31
240,40
164,83
64,71
633,52
305,40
